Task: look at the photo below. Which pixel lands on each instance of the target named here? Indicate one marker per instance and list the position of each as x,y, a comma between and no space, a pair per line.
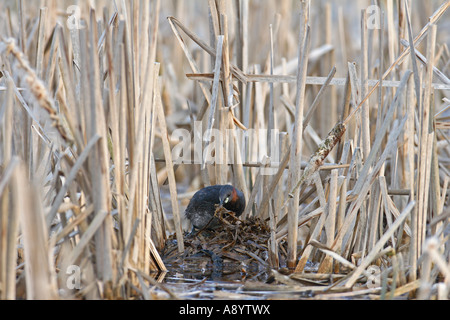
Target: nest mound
236,250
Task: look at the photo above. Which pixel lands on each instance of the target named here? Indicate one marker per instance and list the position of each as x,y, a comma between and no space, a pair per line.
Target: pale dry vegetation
356,181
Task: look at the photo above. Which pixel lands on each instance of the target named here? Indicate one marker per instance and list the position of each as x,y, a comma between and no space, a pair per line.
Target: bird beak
223,201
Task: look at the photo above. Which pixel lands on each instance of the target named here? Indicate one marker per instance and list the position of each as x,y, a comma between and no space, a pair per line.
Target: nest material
236,249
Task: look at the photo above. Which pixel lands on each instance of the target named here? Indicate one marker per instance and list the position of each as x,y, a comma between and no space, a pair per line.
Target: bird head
227,194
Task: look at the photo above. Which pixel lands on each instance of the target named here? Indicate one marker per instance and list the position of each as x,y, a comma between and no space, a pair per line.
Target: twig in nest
220,211
219,214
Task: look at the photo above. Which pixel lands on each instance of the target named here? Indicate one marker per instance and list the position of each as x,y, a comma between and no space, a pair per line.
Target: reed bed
331,117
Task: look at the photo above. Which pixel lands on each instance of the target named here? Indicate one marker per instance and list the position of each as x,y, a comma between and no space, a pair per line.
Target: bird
203,204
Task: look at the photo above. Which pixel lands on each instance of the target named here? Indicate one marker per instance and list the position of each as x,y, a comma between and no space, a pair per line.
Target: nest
236,250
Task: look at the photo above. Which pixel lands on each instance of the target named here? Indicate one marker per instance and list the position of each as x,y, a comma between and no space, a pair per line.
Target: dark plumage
201,208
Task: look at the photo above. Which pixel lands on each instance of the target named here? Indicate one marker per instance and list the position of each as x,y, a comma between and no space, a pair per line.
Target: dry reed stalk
149,248
364,76
332,255
8,216
225,105
117,153
39,269
227,87
386,199
238,165
272,243
316,231
414,249
327,62
171,174
98,162
297,140
425,280
390,206
69,101
341,212
392,40
355,97
270,135
40,46
310,80
378,246
256,187
155,198
242,47
159,236
330,222
215,91
313,106
9,221
139,177
425,147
